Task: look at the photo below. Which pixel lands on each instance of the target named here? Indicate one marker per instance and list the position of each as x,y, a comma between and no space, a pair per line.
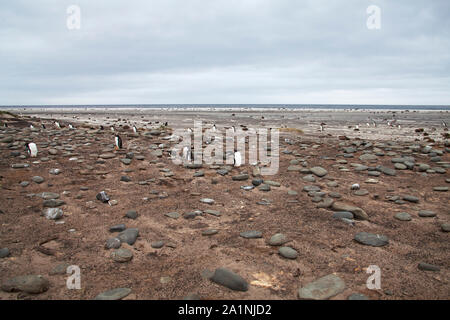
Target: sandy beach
178,226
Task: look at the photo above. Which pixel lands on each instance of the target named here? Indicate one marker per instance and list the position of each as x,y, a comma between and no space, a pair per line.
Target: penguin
214,127
237,159
57,125
31,127
70,126
134,129
444,124
32,149
43,126
102,128
118,142
166,124
112,129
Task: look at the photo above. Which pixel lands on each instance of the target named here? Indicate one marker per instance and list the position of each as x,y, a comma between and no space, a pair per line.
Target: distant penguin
57,125
237,159
444,124
31,127
112,129
5,125
102,128
118,142
134,129
166,124
214,127
70,126
43,126
32,149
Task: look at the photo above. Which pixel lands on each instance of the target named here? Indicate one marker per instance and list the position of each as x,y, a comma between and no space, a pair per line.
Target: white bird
32,149
57,125
134,129
70,126
31,126
214,127
355,186
237,159
118,142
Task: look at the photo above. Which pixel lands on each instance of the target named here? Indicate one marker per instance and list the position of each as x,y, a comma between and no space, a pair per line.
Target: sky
224,51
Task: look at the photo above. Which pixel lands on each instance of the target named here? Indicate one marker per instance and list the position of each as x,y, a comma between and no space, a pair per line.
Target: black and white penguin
214,127
43,126
70,126
31,127
32,149
118,142
112,129
102,128
134,129
57,125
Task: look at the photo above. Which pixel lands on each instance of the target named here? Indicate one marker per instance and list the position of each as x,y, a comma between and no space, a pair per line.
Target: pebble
319,171
278,239
117,228
264,187
229,279
441,189
251,234
129,235
288,252
114,294
209,232
207,200
323,288
403,216
53,213
132,214
357,212
411,198
428,267
240,177
445,227
157,244
343,215
113,243
30,284
427,214
173,215
369,239
357,296
37,179
122,255
4,252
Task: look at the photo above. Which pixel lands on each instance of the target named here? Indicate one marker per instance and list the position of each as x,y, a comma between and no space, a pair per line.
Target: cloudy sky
224,51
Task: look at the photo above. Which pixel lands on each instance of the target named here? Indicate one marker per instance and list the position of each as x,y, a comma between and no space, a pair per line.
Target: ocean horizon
241,106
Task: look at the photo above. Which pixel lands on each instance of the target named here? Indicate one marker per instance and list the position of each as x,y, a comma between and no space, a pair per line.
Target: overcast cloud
225,51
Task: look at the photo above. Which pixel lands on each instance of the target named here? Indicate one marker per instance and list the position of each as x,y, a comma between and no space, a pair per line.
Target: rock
251,234
357,212
4,252
428,267
411,198
108,155
445,227
427,214
441,189
369,239
37,179
368,157
125,179
103,197
24,184
53,213
131,214
387,171
129,235
400,166
60,269
113,243
323,288
357,296
278,239
114,294
256,182
48,195
361,192
157,244
343,215
173,215
125,161
117,228
30,284
20,165
209,232
207,200
288,252
240,177
319,171
229,279
122,255
403,216
294,168
264,188
309,178
53,203
272,183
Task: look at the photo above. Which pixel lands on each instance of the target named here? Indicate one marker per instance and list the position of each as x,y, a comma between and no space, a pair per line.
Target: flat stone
53,213
207,200
173,215
357,296
240,177
229,279
357,212
369,239
132,214
251,234
37,179
125,161
278,239
122,255
323,288
319,171
107,155
410,198
445,227
428,267
440,189
30,284
403,216
53,203
343,215
213,212
129,235
113,243
288,253
114,294
117,228
427,214
209,232
157,244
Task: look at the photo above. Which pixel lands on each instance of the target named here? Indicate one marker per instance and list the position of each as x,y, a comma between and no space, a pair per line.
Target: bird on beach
43,126
322,126
112,129
57,125
102,128
134,129
214,127
444,124
32,149
71,126
118,142
5,125
31,127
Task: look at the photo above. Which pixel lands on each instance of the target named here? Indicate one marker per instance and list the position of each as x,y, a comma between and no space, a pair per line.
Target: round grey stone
229,279
122,255
369,239
114,294
278,239
403,216
288,252
251,234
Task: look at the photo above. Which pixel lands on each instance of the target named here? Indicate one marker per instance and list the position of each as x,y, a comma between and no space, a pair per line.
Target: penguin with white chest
57,125
118,142
32,149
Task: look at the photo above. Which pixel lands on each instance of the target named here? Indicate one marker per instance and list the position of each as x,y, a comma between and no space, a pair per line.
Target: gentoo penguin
57,125
5,125
444,124
118,142
322,127
32,149
43,126
237,159
102,128
31,127
214,127
166,124
134,129
70,126
112,129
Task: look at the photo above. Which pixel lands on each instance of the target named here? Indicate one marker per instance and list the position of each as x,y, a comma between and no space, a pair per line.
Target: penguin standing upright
57,125
70,126
31,127
32,149
118,142
134,129
43,126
